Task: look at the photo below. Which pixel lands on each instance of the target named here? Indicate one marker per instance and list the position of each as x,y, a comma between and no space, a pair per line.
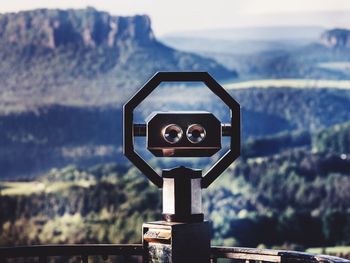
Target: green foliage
336,226
335,139
282,199
103,211
269,145
340,251
293,198
302,109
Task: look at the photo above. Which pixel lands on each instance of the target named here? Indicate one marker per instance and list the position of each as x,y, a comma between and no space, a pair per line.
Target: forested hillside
56,136
295,198
336,138
105,204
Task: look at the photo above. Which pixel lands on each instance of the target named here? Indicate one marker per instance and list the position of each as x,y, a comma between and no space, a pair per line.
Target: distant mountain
245,40
262,33
336,38
83,57
276,52
79,28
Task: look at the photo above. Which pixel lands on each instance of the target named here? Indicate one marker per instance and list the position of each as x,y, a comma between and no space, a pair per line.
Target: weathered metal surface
245,254
189,243
159,253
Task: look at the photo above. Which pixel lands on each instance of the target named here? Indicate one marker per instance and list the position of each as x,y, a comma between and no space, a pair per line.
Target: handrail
83,250
43,252
271,255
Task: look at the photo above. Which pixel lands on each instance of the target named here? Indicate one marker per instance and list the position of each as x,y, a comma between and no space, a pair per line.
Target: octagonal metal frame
235,137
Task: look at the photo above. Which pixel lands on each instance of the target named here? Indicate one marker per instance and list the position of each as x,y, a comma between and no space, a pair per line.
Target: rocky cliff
87,27
83,58
336,38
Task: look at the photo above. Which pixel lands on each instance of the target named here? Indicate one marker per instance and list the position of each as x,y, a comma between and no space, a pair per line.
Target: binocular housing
183,134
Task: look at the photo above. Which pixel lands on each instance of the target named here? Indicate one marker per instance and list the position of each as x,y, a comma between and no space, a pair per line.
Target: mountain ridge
83,58
55,27
324,55
336,38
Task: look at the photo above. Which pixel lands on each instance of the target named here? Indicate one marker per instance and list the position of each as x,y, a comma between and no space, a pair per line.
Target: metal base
172,242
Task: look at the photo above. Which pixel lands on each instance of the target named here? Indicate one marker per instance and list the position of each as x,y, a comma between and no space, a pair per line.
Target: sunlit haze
184,15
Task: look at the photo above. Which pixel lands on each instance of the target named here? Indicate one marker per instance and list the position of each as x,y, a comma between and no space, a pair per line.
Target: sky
186,15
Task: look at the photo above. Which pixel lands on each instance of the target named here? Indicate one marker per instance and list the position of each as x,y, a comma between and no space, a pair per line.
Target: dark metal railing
44,252
269,255
235,254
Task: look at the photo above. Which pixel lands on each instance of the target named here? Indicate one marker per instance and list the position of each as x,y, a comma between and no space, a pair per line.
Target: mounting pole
182,195
184,236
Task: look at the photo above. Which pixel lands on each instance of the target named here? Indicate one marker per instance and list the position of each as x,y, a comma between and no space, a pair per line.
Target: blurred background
66,69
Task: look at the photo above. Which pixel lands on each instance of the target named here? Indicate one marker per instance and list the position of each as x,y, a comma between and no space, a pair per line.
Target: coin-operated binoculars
183,236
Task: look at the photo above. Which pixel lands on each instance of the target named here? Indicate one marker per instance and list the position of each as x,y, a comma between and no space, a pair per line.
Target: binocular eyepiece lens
195,133
172,133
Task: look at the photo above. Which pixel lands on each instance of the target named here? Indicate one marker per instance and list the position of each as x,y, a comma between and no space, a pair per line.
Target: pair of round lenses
195,133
